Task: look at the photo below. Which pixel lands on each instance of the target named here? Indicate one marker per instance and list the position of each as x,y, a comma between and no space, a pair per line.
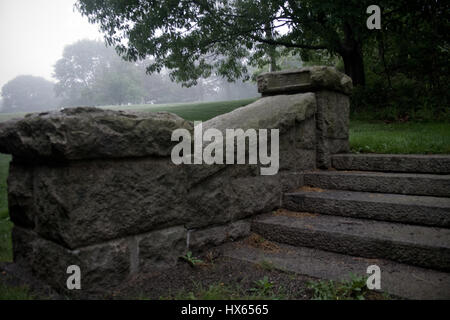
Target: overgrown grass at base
263,289
354,288
14,293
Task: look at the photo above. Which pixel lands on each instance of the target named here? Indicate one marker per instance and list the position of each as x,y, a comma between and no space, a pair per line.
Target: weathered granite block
93,201
333,111
332,121
202,239
89,133
295,160
281,112
226,198
102,266
305,134
20,195
161,249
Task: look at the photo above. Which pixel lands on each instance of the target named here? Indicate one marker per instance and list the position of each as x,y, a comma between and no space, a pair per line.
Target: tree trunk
354,67
271,49
351,52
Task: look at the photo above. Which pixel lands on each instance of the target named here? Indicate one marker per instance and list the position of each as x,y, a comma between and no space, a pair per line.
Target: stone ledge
89,133
306,79
418,163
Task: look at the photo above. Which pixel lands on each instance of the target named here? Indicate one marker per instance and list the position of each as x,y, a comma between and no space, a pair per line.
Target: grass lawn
14,293
190,111
9,116
419,138
5,224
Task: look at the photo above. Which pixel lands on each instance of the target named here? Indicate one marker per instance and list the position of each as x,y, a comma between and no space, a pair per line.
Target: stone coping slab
89,133
308,79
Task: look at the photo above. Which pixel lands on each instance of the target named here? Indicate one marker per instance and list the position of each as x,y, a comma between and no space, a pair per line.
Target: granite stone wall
97,188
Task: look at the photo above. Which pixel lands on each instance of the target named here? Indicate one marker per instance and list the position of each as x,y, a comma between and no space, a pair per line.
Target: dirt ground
213,276
184,281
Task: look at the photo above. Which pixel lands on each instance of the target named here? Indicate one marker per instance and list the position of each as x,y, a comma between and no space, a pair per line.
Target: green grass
408,138
262,289
7,292
14,293
5,224
190,111
193,261
9,116
5,240
354,288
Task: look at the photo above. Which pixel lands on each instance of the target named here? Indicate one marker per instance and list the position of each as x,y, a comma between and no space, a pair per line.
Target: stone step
426,247
439,164
419,210
397,279
400,183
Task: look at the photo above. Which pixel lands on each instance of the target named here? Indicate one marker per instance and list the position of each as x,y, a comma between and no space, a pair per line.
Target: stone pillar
332,90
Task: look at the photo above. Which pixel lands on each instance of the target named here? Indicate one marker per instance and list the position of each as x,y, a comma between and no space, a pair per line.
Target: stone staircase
388,210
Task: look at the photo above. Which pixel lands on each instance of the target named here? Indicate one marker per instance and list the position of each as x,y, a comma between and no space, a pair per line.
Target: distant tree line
92,74
28,93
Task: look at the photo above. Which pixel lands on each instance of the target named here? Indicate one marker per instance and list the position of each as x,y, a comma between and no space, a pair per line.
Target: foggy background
34,34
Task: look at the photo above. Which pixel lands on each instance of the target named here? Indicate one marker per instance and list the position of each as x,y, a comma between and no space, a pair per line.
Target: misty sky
33,34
